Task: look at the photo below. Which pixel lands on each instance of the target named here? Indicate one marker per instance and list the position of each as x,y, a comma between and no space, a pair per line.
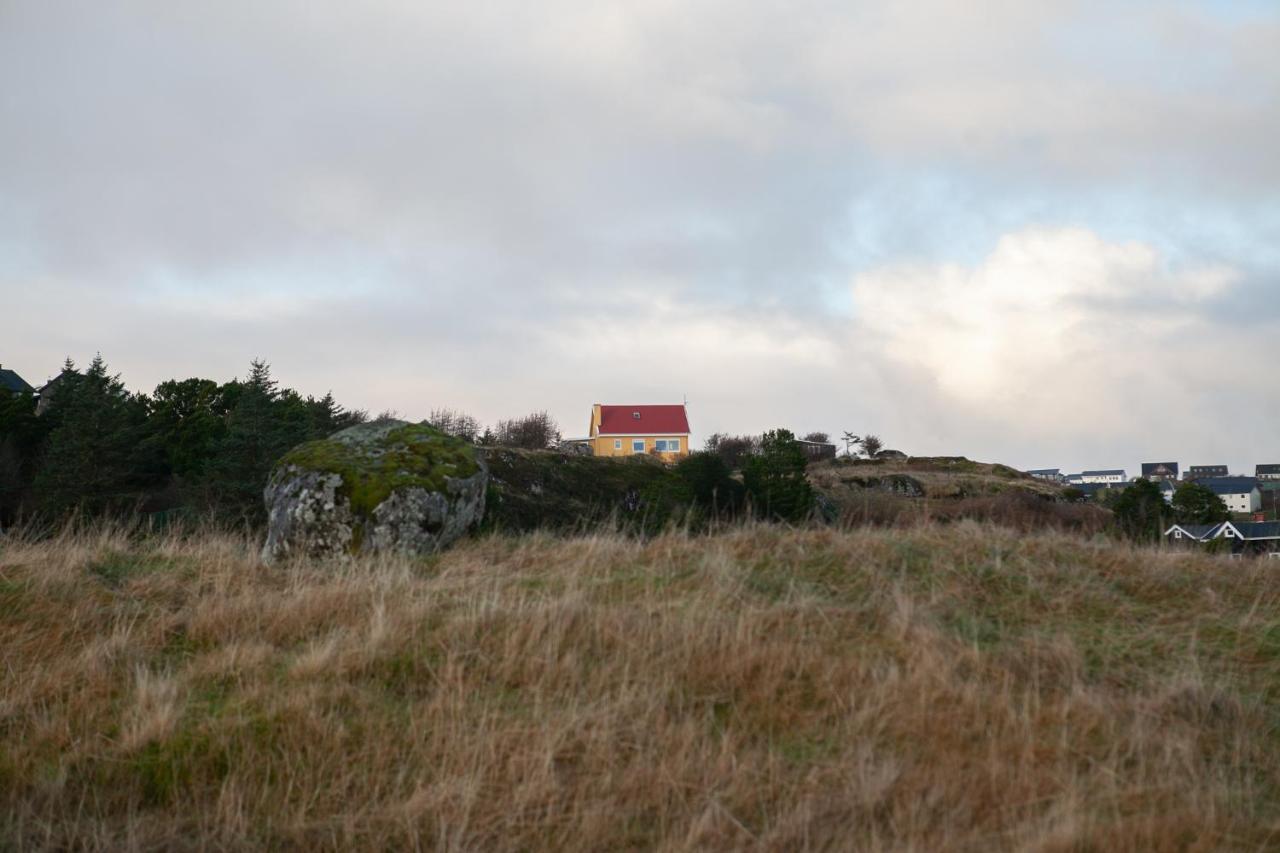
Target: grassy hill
931,688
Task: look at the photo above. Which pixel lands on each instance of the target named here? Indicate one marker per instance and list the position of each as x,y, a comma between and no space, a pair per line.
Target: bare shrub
537,431
455,423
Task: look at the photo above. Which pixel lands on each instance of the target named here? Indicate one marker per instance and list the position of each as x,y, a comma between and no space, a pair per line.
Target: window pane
637,446
674,445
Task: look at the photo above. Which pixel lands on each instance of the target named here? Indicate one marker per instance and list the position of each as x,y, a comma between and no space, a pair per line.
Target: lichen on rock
383,486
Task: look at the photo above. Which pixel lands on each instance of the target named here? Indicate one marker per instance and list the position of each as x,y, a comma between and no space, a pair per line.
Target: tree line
191,448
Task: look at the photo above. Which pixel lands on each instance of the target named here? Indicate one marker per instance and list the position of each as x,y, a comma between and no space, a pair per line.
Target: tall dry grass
964,688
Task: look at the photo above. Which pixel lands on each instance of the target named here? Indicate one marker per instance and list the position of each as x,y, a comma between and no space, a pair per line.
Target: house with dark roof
1157,471
1240,494
1242,538
1199,472
1268,472
626,430
1186,534
1252,538
12,383
1051,475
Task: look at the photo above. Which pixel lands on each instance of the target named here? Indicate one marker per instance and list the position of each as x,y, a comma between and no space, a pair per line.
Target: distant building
13,383
1252,538
1240,494
1158,471
1052,475
816,451
49,391
1110,476
1246,538
628,430
1268,472
1188,533
1199,472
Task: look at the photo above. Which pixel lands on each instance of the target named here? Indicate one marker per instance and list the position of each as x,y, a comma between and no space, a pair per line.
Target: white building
1110,476
1240,494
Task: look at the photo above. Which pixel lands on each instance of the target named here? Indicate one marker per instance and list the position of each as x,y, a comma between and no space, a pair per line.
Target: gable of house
13,383
1161,470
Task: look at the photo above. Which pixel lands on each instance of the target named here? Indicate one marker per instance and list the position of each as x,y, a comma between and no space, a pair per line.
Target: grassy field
957,688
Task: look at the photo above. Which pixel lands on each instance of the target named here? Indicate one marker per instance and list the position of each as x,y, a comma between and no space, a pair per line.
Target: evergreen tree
21,437
1197,504
1141,512
187,419
96,457
260,428
775,478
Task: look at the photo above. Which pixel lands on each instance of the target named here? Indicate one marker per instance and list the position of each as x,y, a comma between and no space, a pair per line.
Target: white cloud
1059,335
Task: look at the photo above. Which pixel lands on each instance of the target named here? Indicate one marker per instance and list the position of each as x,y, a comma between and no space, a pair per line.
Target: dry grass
962,688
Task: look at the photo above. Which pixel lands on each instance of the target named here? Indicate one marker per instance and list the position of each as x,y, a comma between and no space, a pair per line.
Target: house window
667,445
617,444
637,445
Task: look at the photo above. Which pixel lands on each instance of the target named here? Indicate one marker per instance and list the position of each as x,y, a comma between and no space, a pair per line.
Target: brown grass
964,688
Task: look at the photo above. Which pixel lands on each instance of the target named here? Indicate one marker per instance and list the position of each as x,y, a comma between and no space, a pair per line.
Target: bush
537,431
710,484
775,478
1141,512
733,449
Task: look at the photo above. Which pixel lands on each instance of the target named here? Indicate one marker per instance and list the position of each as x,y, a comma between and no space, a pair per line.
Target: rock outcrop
387,486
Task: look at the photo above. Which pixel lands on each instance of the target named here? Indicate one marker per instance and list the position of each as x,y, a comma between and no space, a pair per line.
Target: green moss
408,456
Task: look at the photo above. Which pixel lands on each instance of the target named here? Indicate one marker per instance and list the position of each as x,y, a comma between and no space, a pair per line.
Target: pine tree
256,436
95,459
775,478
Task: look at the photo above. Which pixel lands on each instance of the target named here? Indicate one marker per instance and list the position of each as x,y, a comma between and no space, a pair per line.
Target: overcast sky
1045,233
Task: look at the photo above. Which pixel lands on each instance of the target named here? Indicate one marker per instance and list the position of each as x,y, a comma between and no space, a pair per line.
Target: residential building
1268,472
1244,538
1240,494
1159,471
816,451
1052,475
629,430
1114,475
12,383
1252,538
1199,472
1183,534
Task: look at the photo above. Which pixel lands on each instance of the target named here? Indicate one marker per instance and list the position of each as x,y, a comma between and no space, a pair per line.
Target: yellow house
627,430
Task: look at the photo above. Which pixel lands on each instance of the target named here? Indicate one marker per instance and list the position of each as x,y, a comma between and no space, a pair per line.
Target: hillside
932,688
906,492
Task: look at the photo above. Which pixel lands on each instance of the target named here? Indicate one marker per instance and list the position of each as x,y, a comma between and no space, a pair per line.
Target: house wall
1244,502
1104,478
620,445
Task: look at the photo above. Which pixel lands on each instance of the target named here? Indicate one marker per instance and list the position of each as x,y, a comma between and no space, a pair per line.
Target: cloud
510,206
1059,338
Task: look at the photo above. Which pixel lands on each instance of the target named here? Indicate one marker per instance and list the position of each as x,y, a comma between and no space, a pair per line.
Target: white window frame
634,442
617,444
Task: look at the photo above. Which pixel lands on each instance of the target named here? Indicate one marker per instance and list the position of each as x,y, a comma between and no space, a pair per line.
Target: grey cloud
419,203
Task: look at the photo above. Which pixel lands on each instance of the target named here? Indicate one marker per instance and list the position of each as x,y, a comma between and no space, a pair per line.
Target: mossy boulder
387,486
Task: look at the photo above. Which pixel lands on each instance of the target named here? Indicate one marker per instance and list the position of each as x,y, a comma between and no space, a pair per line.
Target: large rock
387,486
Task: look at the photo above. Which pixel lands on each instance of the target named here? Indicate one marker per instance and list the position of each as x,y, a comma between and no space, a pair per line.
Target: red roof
652,420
